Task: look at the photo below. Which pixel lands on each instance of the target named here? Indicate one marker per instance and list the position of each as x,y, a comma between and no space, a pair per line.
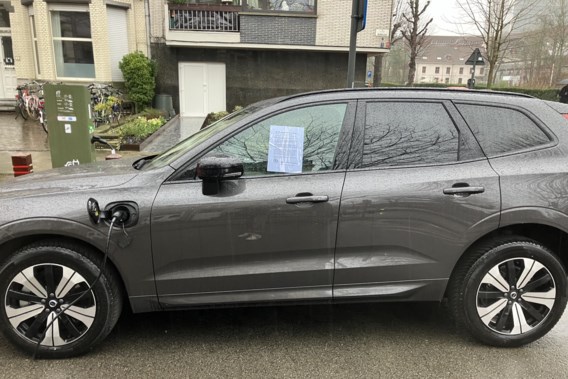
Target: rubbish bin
70,125
164,103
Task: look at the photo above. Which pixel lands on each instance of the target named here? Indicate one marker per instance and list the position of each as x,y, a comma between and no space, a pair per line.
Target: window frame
466,137
33,34
78,9
343,144
553,139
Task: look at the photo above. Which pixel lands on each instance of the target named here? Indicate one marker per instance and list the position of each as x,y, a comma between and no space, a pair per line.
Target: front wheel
511,292
38,285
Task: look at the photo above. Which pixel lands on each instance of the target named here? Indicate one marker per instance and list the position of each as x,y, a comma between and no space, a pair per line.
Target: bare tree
414,31
496,21
394,37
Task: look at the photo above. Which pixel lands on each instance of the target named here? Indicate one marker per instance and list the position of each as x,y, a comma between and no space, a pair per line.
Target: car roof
409,92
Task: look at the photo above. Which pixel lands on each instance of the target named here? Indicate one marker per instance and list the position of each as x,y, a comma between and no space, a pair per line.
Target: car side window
301,140
502,130
404,133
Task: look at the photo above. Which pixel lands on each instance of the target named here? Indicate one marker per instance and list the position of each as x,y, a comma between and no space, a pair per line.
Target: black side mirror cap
214,169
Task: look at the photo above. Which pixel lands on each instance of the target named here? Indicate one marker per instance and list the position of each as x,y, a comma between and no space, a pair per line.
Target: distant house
443,61
76,40
214,54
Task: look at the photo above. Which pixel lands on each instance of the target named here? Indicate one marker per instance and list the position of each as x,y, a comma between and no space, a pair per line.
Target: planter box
140,146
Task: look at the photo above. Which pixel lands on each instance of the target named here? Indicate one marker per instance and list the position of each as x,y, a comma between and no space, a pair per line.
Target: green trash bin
68,110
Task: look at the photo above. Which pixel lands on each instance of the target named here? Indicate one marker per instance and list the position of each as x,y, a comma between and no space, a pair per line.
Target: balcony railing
205,18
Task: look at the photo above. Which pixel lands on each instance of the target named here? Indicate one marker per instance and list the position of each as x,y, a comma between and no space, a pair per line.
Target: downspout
148,30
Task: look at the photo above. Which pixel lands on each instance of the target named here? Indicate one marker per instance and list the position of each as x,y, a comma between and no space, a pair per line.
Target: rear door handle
463,190
307,199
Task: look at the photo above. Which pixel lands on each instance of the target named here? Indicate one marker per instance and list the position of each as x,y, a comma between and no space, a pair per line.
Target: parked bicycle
30,102
106,103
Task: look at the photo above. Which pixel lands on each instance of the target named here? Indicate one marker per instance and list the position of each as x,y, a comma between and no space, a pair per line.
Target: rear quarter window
502,130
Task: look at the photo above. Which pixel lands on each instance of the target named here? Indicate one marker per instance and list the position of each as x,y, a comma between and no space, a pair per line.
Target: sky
447,19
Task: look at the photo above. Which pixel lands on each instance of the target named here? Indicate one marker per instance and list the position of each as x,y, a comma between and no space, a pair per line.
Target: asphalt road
341,341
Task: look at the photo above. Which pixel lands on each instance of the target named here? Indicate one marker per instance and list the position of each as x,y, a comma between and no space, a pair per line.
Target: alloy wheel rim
38,294
515,296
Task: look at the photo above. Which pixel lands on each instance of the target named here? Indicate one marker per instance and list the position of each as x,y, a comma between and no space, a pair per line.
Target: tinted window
301,140
408,134
502,130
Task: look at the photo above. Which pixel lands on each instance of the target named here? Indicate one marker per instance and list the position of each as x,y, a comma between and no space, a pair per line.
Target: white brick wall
334,23
23,45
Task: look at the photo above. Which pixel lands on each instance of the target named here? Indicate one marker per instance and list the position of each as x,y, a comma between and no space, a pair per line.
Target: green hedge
544,94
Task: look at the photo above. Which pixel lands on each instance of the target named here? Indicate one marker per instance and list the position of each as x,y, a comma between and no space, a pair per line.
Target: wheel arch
550,236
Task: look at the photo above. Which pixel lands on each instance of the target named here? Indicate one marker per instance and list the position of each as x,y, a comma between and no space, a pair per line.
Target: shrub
138,72
140,128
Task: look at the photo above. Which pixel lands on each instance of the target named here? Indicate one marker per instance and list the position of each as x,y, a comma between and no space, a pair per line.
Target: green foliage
179,1
140,127
151,113
106,107
216,116
138,72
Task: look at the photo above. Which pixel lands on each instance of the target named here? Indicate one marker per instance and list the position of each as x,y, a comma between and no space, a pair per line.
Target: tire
38,281
508,293
21,109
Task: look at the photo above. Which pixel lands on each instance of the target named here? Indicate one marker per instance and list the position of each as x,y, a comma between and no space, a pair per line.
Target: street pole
476,57
352,45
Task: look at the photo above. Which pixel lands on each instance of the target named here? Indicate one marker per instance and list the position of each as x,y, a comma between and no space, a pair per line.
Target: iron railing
210,19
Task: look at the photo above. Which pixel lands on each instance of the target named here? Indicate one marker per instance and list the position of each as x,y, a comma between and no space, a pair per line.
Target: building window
34,41
436,80
423,69
4,18
437,70
460,81
481,70
448,70
72,44
461,70
300,6
447,80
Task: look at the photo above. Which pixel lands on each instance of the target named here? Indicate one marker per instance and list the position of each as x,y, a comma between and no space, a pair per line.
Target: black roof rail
407,89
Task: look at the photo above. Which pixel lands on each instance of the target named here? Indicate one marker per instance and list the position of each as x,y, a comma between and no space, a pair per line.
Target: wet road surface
343,341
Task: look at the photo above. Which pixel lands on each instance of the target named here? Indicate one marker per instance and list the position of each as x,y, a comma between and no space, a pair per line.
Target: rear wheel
510,293
37,286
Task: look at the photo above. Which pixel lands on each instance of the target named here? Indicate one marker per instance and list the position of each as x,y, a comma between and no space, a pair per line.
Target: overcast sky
448,19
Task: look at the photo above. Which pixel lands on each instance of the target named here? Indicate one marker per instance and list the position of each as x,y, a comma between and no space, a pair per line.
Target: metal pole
476,57
352,46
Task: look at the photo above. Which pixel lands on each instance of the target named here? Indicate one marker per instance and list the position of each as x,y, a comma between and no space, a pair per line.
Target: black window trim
551,136
456,118
344,135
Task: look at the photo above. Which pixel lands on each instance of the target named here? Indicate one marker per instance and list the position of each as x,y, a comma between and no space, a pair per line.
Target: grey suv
347,195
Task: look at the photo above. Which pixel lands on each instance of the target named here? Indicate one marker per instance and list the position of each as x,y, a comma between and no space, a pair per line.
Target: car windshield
182,147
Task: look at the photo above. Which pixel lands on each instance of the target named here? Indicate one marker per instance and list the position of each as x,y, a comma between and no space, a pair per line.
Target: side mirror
214,169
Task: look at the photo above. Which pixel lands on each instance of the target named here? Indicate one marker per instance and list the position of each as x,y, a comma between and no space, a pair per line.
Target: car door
419,192
269,235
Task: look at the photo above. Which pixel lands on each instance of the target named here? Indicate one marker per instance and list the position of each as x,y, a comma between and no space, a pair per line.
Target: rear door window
502,130
403,133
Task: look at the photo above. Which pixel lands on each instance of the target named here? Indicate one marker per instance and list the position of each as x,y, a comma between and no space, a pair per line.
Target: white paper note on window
285,149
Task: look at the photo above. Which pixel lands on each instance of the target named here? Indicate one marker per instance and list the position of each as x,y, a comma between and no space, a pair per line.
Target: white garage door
201,88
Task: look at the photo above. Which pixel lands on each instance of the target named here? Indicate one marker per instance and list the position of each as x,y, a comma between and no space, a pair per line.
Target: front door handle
307,199
465,190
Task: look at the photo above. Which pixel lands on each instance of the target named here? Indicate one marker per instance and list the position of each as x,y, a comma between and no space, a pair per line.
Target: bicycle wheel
21,110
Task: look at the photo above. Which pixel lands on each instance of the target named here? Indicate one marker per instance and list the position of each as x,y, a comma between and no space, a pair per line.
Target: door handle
307,199
465,190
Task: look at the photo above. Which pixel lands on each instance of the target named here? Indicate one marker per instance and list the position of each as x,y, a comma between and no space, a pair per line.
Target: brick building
443,61
215,54
76,40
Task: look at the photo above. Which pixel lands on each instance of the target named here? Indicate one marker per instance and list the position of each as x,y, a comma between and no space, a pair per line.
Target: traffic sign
475,58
